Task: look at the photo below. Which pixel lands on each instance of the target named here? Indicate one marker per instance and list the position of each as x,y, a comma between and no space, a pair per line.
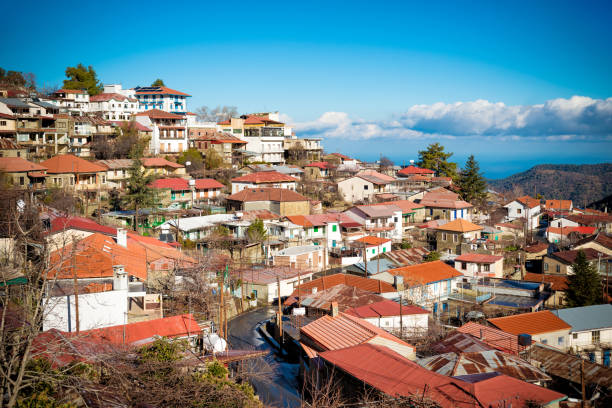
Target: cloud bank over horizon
578,117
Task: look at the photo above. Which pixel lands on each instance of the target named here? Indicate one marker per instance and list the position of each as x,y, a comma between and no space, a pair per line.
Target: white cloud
557,119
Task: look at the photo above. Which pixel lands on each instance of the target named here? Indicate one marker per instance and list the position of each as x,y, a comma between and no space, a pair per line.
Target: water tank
213,343
524,340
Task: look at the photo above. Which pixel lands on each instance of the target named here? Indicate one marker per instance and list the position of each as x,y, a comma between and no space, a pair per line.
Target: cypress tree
584,286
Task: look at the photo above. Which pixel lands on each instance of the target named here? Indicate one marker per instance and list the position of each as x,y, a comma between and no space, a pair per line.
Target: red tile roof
405,205
386,308
569,257
396,376
479,258
159,90
67,163
257,120
528,201
326,282
201,184
493,337
260,177
159,114
539,247
18,165
590,220
372,241
160,162
323,165
146,332
95,256
342,156
72,91
267,194
105,97
558,282
414,170
436,201
425,273
558,204
459,225
79,223
175,184
133,124
530,323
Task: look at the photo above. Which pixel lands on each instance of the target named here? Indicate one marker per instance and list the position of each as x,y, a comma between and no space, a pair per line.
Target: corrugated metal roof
346,296
460,343
405,257
587,317
453,364
493,337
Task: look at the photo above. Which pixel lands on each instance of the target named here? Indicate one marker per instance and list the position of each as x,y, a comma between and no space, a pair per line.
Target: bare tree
217,114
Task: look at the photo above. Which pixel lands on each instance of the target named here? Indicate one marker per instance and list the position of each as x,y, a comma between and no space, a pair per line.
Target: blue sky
373,62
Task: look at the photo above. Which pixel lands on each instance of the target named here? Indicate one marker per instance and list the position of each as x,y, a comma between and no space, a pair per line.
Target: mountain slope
582,183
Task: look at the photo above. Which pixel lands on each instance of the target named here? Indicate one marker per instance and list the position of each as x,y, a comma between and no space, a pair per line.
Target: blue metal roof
587,317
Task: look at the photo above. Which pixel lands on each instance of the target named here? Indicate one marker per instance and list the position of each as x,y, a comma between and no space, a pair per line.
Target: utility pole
76,291
299,289
401,317
583,402
280,313
221,308
365,258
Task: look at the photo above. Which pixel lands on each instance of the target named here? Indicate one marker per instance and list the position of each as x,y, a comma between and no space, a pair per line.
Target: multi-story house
9,148
383,221
451,235
445,205
114,106
229,147
19,172
365,185
527,208
162,167
72,101
161,98
117,172
73,173
169,134
303,148
264,136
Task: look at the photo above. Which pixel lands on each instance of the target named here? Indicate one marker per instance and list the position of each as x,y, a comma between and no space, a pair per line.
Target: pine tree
584,286
139,194
81,77
471,182
436,159
158,82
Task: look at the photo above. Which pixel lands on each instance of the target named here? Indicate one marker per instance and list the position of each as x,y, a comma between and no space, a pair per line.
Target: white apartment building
73,101
114,106
161,98
169,131
527,208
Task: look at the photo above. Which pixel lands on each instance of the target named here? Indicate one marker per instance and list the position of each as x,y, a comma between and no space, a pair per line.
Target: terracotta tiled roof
590,220
160,162
539,247
267,194
263,177
386,308
158,90
569,257
478,258
321,165
325,282
528,201
414,170
80,223
460,225
71,91
405,205
342,156
8,144
443,202
558,282
95,256
135,124
530,323
425,273
301,220
493,337
558,204
175,184
105,97
18,165
67,163
159,114
372,241
601,239
201,184
257,120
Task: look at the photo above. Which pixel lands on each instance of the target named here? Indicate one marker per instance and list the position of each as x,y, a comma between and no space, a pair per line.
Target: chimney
481,334
334,309
122,237
398,282
120,278
314,290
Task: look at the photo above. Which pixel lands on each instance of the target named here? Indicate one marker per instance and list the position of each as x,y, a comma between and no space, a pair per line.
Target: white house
591,331
384,221
312,258
372,246
525,207
390,317
161,98
263,283
114,106
563,223
169,132
74,101
480,265
364,186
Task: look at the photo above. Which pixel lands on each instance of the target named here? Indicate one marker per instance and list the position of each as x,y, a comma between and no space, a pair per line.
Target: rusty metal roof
567,366
405,257
457,342
453,364
346,296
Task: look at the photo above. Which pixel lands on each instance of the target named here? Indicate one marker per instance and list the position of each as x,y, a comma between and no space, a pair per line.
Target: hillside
583,183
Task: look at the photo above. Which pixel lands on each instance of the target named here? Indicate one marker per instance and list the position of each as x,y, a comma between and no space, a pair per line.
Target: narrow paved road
274,379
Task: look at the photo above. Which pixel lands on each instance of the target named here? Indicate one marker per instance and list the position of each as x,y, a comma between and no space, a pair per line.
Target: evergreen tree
584,286
139,194
432,256
436,159
471,182
81,77
158,82
256,232
213,160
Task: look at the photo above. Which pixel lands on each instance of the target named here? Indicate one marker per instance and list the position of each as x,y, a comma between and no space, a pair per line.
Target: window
487,267
316,229
575,336
21,181
373,251
544,341
463,265
519,211
334,228
444,236
558,268
394,219
595,336
365,187
545,266
560,341
2,122
455,238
